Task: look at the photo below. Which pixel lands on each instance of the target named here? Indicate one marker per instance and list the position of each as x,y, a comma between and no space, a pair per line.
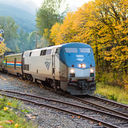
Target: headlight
92,70
82,65
72,70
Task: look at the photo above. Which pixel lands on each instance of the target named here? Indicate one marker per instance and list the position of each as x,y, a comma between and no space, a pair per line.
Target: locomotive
69,67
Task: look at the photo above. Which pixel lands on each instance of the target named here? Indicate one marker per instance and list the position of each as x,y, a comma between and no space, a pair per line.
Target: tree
104,25
23,42
32,40
49,14
54,32
16,39
10,32
3,48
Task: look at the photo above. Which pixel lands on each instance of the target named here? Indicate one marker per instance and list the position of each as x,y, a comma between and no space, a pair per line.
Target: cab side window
48,52
30,53
43,52
57,51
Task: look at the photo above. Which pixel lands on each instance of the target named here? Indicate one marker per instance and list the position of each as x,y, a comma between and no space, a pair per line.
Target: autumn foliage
104,25
2,46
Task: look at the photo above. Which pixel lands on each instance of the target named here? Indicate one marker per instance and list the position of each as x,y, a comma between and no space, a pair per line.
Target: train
69,67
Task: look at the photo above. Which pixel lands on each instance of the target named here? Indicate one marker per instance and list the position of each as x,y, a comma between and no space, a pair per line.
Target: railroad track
118,106
105,105
105,118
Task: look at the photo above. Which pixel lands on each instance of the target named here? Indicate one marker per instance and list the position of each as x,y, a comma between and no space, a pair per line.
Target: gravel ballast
44,117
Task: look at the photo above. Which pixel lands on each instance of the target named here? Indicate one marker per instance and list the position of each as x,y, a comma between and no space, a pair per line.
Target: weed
9,118
115,93
112,97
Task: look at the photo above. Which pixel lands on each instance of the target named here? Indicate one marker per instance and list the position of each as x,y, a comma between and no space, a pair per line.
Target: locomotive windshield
85,50
75,50
71,50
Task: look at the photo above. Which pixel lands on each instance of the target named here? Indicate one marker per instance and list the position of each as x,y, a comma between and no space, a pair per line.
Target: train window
26,54
57,51
85,50
48,51
26,67
71,50
43,52
30,53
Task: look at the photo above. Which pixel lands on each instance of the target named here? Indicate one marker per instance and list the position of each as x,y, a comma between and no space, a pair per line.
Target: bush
115,79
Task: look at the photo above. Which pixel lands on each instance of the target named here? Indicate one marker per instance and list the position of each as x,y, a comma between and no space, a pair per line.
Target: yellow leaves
5,108
96,23
16,125
46,33
9,103
55,30
125,49
2,47
124,5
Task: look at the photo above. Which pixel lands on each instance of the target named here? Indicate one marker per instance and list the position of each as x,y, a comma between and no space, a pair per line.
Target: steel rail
100,106
110,101
64,110
66,103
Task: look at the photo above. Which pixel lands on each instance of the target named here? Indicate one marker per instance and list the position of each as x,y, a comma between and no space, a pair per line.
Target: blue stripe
18,64
9,64
13,64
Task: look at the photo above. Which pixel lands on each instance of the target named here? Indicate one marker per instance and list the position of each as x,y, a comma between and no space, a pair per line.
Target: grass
115,93
10,117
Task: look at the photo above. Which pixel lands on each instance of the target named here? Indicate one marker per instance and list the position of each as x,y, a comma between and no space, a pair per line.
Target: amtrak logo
47,64
80,57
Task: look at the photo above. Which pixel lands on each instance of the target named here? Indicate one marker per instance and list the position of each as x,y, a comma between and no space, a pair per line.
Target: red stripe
18,62
10,62
13,62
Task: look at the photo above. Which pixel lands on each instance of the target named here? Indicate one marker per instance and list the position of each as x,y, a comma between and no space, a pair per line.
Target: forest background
103,24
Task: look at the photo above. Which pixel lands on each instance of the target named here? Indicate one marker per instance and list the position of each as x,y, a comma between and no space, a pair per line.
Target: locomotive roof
62,45
56,46
14,54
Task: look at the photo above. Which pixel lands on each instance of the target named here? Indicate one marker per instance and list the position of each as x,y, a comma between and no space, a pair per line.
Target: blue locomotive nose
77,55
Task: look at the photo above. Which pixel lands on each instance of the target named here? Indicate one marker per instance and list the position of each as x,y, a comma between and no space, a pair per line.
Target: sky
73,4
33,5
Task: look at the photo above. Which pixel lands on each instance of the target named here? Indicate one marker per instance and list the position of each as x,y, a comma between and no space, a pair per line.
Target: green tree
10,32
48,15
23,43
32,40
